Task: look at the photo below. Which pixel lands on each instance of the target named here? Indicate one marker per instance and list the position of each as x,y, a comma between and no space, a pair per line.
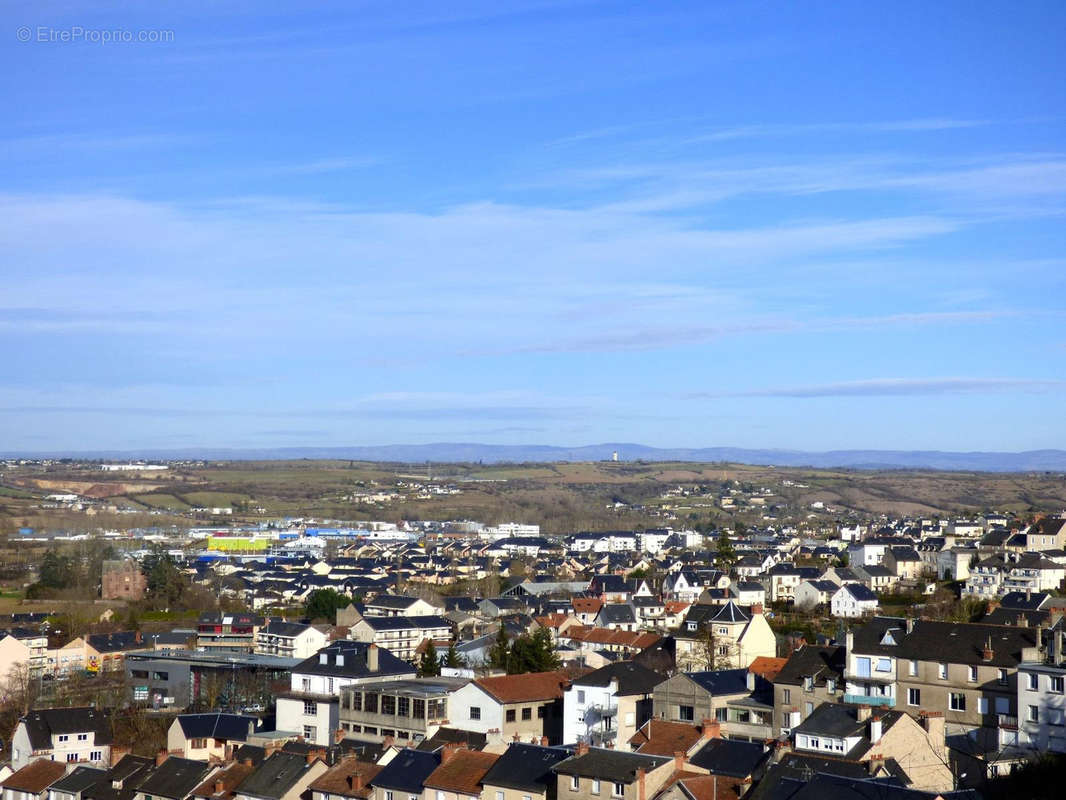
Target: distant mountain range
1029,461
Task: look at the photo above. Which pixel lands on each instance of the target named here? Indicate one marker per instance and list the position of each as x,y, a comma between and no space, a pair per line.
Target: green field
162,500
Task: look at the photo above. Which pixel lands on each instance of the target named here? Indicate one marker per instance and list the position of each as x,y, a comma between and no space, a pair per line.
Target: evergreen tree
501,650
727,556
430,662
324,604
452,658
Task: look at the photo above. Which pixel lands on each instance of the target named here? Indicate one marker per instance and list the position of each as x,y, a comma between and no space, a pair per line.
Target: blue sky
759,224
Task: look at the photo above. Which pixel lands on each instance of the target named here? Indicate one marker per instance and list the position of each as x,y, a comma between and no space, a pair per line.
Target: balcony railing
870,700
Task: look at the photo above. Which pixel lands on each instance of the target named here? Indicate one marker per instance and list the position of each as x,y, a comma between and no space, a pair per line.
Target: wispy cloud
890,387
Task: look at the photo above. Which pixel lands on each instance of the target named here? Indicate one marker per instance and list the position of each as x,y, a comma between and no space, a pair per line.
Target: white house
70,735
289,639
852,600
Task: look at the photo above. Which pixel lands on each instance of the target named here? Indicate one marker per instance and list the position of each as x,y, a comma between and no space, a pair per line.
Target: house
657,737
310,708
732,765
876,577
229,633
617,616
72,785
903,562
810,677
66,735
403,778
523,772
282,776
731,637
855,733
608,705
737,699
406,710
459,775
23,649
748,593
853,600
529,706
212,736
813,593
222,784
402,634
122,580
31,782
289,639
593,773
392,605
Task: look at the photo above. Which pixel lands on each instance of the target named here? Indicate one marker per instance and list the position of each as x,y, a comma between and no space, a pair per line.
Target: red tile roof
632,639
230,778
661,738
528,687
766,667
344,778
36,776
462,772
587,605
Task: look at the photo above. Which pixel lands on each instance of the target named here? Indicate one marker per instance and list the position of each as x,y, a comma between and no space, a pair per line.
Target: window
914,697
541,712
306,683
973,674
310,732
1003,705
595,786
160,676
371,703
786,697
619,790
721,714
884,665
912,668
388,795
862,667
72,756
815,742
475,712
527,713
509,715
830,685
942,671
357,701
808,709
388,705
96,755
686,713
1056,684
956,701
574,783
1034,681
83,737
63,737
418,708
403,706
723,631
1055,716
198,744
982,705
499,795
310,708
1034,714
581,695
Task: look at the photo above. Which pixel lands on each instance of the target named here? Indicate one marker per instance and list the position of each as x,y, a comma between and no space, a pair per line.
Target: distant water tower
614,456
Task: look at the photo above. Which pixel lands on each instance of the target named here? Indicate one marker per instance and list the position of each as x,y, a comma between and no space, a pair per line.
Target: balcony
870,700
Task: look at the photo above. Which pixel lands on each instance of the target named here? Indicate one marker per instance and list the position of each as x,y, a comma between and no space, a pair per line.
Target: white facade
844,604
471,708
1042,707
66,747
590,713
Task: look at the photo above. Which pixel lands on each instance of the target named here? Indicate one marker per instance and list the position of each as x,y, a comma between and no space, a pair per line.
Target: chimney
448,751
751,680
338,735
137,637
756,609
543,741
582,748
640,785
933,722
248,762
849,642
712,729
387,742
875,730
679,760
160,756
323,658
220,787
311,756
910,624
874,765
987,653
372,658
355,780
862,713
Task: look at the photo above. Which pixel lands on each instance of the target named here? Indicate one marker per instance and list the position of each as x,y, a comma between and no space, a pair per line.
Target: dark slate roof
41,724
838,720
81,778
115,642
1029,601
393,601
632,678
276,775
823,786
250,751
1016,616
354,665
175,778
526,767
948,642
859,592
609,765
279,627
408,770
730,757
406,623
217,726
618,613
819,663
730,612
472,739
721,681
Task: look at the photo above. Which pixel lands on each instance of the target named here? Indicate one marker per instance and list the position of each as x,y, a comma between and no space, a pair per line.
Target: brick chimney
862,713
161,756
372,657
679,760
875,730
711,729
137,637
641,789
756,609
387,742
311,756
220,787
338,735
582,748
355,780
543,741
448,751
248,762
988,653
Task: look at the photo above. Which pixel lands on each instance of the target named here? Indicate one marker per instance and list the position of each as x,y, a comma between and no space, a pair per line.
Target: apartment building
222,632
1041,718
401,635
810,677
608,705
289,639
528,706
69,735
408,711
595,773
